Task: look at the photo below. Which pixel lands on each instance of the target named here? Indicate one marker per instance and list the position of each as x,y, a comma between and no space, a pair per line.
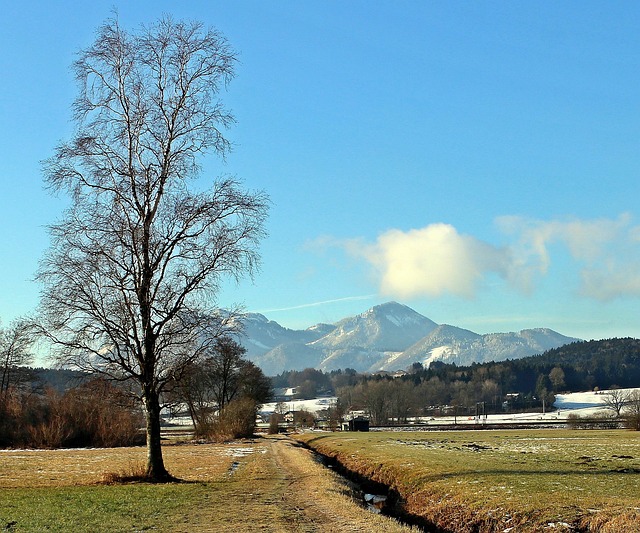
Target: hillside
585,366
606,363
388,337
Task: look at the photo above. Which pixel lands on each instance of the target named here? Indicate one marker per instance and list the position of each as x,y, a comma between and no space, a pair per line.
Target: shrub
134,472
304,419
236,420
573,421
94,414
19,414
631,411
596,421
274,421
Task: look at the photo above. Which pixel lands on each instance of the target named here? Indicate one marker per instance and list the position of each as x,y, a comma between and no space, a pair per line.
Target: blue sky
477,161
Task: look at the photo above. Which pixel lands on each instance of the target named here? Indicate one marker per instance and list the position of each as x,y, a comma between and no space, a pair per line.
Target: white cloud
430,261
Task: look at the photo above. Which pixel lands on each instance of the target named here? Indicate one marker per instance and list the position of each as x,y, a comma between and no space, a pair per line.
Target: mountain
463,347
388,337
262,335
389,327
289,356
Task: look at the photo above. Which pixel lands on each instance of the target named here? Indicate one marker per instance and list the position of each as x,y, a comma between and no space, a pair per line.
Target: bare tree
376,399
631,410
194,392
225,369
130,279
401,400
16,341
616,399
220,377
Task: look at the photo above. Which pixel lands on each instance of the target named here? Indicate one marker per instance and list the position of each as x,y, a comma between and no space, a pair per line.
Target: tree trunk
156,471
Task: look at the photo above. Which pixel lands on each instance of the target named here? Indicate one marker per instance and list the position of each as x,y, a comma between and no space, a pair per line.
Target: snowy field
313,406
583,404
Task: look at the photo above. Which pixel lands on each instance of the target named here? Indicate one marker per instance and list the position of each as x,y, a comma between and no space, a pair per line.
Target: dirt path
317,498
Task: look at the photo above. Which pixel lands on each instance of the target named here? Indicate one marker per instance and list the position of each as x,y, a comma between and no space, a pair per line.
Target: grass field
63,490
264,484
507,481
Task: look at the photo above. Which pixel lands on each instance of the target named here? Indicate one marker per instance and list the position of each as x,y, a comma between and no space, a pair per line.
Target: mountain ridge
387,337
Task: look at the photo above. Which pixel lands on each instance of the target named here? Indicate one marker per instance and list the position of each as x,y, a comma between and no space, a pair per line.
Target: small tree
377,401
236,420
194,391
401,400
615,399
274,423
304,419
208,385
335,414
557,377
543,391
130,279
231,376
15,352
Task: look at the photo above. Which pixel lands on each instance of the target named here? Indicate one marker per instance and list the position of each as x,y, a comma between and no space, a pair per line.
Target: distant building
358,423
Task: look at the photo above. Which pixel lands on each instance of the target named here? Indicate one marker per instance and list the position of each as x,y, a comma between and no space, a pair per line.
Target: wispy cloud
437,259
607,252
319,304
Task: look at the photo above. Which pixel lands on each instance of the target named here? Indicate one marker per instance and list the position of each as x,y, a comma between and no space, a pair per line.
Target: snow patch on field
585,403
239,452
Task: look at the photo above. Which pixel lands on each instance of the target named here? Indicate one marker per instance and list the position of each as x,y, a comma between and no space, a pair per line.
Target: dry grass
54,468
133,473
496,480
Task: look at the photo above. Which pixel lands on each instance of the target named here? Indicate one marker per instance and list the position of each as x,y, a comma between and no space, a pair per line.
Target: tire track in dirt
321,499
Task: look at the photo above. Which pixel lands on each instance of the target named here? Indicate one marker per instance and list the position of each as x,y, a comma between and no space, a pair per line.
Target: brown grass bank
501,481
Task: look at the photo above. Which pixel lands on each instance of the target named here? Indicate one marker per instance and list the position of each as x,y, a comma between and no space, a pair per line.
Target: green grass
136,507
506,478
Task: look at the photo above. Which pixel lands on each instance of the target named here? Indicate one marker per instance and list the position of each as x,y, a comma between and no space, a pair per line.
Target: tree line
514,385
222,391
52,408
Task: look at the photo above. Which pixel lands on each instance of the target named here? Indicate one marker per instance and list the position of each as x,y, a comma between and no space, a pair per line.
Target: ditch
376,497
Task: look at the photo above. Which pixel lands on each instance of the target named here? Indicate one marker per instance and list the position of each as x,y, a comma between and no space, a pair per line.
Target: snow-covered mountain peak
389,336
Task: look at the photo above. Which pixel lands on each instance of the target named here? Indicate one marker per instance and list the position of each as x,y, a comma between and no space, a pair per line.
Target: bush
236,420
596,421
274,421
573,421
19,414
96,414
304,419
631,412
